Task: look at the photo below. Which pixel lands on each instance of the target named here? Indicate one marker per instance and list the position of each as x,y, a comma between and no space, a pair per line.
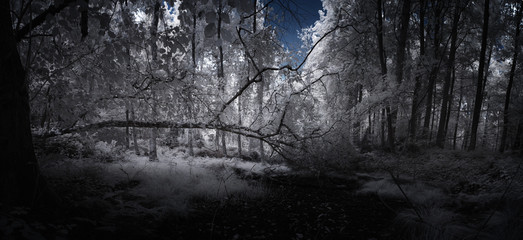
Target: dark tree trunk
417,85
383,65
133,130
127,134
153,156
457,117
519,135
479,88
20,179
392,112
220,72
442,130
510,82
438,9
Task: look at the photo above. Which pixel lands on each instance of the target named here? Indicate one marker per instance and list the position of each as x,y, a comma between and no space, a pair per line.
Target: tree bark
400,62
438,9
20,180
153,156
383,65
442,130
133,130
417,84
479,88
457,117
220,71
511,81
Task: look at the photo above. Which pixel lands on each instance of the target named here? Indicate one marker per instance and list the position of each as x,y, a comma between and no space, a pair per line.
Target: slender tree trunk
451,97
434,108
442,131
381,48
127,133
417,84
133,130
519,135
479,89
458,112
510,82
153,156
239,124
383,65
221,79
437,8
190,132
400,62
485,128
20,180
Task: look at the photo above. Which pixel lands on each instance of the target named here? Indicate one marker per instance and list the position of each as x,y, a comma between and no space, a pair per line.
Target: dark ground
296,207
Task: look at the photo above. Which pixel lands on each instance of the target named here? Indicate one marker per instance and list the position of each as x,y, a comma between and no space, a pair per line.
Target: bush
69,145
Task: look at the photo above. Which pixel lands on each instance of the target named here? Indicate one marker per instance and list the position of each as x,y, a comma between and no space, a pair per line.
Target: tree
511,80
417,85
479,87
442,126
400,62
20,178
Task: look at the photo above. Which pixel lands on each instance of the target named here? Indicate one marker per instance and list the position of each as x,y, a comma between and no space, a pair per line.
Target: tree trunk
517,139
383,64
485,128
133,130
400,62
221,84
442,131
457,117
451,99
190,132
127,133
479,88
435,68
239,124
154,48
510,82
417,84
20,180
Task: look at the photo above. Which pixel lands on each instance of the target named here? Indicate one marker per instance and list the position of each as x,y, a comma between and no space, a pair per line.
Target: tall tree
479,88
400,62
511,80
153,155
20,178
435,32
442,130
417,84
383,62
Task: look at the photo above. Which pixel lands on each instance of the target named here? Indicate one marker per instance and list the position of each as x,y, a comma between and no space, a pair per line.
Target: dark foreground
297,207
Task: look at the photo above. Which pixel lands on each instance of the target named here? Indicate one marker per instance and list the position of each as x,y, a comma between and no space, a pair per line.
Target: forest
200,119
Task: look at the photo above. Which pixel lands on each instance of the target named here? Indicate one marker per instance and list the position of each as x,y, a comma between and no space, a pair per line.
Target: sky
305,13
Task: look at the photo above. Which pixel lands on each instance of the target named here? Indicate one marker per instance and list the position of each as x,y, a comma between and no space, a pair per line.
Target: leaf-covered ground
111,193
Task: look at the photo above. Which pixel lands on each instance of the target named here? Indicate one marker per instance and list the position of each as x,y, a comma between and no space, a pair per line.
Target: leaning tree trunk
510,82
479,88
20,179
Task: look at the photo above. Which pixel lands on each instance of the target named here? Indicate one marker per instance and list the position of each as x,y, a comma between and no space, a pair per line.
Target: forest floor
434,194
